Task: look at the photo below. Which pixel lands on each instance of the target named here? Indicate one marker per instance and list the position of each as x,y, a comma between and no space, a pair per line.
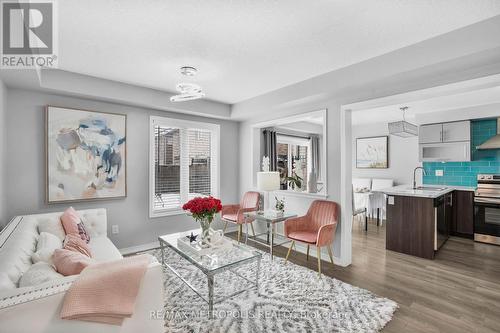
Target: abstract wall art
371,153
85,155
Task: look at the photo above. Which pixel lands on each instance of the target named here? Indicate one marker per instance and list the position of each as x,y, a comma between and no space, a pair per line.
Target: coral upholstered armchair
316,228
234,213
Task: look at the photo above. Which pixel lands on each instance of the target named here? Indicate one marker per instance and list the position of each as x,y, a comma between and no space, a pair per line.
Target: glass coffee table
213,264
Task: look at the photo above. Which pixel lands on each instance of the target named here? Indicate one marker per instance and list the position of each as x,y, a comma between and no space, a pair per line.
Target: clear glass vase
205,231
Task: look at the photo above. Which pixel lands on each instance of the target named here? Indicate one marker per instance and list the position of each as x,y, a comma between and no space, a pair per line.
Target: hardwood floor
457,292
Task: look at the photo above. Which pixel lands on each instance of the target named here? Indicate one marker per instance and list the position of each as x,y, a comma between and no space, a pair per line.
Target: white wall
3,146
473,112
52,80
25,163
403,155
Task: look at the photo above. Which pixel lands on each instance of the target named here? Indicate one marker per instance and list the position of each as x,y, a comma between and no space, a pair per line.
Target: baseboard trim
139,248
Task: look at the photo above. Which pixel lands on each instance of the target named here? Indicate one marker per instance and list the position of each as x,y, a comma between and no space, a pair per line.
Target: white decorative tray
196,249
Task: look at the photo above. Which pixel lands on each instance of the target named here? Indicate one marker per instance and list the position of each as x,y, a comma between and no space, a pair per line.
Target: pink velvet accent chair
234,213
316,228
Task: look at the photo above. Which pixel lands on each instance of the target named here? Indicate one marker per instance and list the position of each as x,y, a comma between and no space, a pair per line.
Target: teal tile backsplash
465,173
458,173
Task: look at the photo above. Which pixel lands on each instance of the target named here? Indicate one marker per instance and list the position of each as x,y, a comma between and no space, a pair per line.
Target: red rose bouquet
203,209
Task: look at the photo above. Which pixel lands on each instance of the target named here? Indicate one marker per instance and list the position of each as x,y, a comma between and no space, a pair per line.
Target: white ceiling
245,48
446,103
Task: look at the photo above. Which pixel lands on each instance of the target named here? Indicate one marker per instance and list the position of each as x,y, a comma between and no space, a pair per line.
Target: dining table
373,201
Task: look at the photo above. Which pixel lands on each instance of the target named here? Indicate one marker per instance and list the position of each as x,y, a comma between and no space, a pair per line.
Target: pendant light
403,128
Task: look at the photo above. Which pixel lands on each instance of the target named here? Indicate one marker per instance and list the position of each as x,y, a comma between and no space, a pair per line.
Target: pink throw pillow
74,243
73,224
69,262
70,220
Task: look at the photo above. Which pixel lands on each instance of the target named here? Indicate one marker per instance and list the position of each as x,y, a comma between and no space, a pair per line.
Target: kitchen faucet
414,172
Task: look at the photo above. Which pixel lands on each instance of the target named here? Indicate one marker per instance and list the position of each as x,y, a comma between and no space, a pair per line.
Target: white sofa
36,309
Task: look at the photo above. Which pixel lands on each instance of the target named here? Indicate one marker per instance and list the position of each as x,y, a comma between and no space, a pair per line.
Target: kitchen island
419,220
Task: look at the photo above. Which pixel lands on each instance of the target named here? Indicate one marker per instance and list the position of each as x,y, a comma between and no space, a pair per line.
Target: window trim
214,154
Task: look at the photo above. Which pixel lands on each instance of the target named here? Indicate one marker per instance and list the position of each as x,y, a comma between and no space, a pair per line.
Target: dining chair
235,213
316,228
377,202
359,210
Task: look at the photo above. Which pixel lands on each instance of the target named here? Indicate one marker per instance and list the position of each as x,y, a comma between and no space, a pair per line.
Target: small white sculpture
265,164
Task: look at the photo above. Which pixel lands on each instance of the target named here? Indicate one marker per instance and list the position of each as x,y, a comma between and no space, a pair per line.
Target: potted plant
294,181
203,210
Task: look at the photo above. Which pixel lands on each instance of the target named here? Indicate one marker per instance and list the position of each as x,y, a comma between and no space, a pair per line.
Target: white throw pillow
39,273
6,282
47,244
52,226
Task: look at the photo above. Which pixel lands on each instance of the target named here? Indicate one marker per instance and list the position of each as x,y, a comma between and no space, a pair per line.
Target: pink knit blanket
106,292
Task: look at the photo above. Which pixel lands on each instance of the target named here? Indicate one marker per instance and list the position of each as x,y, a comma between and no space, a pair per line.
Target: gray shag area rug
291,298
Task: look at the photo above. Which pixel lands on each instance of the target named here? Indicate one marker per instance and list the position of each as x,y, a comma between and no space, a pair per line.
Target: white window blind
199,148
167,155
184,163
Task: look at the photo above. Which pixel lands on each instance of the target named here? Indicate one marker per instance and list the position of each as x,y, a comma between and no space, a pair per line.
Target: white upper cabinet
445,142
445,132
430,133
445,152
456,131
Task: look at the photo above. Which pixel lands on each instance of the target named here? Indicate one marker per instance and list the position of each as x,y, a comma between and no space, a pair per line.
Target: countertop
406,190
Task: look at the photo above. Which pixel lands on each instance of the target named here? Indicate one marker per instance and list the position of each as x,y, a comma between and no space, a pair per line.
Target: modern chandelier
187,91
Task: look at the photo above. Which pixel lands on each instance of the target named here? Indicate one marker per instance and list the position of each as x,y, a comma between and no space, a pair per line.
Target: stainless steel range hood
494,142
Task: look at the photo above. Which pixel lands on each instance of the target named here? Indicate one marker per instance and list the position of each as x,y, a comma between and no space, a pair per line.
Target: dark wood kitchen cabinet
463,214
418,226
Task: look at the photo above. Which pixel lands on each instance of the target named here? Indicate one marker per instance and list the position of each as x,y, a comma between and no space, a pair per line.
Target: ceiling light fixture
188,71
403,128
188,91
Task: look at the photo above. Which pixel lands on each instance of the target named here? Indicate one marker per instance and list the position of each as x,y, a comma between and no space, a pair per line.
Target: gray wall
3,146
403,155
25,163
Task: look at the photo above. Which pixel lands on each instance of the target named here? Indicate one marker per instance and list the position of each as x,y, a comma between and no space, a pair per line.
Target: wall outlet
439,173
115,229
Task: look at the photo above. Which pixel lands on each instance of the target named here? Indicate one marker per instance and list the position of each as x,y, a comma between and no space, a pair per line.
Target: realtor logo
28,34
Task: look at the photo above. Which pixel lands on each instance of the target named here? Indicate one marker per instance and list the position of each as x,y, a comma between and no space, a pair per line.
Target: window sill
302,194
164,213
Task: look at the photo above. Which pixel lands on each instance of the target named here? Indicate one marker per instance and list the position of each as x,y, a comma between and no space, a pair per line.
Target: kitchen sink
428,188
